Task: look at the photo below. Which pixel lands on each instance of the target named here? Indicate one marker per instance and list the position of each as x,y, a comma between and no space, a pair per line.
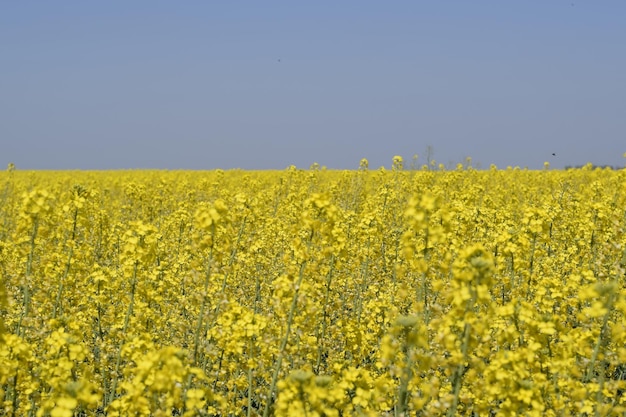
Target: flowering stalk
407,324
609,292
457,378
207,277
322,335
283,343
118,359
57,305
25,285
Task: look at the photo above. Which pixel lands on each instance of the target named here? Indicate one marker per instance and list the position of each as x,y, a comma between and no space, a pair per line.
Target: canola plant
396,292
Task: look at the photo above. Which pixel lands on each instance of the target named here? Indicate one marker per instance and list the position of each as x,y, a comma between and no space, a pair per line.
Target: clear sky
267,84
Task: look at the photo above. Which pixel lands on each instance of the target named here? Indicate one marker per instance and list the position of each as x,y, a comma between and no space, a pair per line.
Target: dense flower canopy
313,292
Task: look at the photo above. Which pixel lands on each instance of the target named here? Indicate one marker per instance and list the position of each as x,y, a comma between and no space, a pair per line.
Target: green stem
531,266
403,391
231,261
322,336
25,287
57,305
283,344
600,341
457,380
250,390
15,396
364,283
118,359
207,277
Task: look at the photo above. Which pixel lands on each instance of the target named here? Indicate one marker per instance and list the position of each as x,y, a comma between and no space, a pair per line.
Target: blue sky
267,84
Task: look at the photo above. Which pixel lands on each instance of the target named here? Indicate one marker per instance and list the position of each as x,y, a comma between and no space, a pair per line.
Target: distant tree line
594,166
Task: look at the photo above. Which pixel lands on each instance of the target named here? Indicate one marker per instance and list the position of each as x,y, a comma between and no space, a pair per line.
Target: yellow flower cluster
313,293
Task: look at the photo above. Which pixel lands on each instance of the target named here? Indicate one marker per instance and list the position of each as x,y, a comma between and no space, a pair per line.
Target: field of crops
393,292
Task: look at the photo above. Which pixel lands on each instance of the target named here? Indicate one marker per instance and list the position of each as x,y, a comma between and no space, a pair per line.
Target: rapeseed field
400,292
